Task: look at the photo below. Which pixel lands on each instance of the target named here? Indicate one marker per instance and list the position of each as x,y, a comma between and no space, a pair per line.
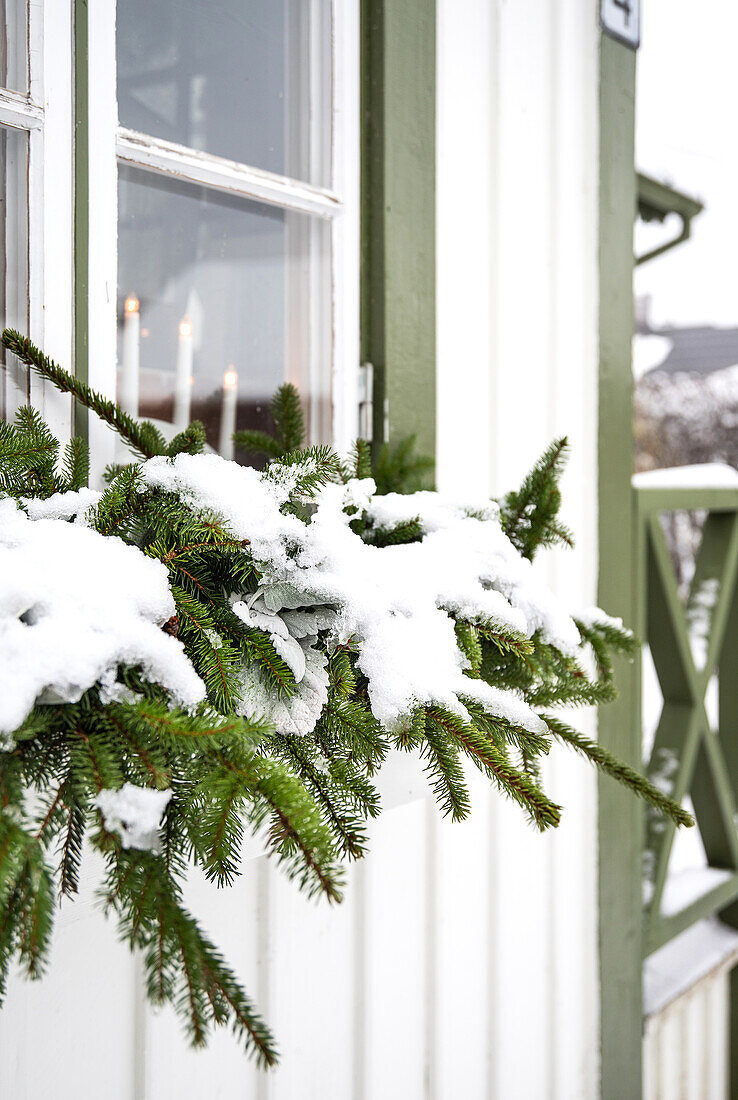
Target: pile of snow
73,606
395,603
72,505
702,475
135,814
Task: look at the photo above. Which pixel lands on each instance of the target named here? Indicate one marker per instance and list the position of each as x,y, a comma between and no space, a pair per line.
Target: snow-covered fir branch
203,650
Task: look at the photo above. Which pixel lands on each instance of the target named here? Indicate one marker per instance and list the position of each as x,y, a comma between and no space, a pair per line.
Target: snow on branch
73,607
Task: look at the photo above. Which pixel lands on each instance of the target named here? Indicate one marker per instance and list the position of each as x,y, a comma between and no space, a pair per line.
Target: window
35,221
224,145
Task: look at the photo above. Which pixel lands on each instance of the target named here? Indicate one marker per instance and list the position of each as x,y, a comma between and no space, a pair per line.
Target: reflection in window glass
14,45
244,79
14,255
220,300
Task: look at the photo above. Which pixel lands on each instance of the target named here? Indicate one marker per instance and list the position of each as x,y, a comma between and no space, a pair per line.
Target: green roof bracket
656,201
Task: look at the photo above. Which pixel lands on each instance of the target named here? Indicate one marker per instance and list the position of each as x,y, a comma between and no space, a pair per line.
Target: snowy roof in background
700,349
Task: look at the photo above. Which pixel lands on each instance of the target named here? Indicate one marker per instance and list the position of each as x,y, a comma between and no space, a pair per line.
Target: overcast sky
687,135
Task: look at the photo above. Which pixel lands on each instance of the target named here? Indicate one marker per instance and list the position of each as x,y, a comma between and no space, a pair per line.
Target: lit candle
131,356
228,413
183,379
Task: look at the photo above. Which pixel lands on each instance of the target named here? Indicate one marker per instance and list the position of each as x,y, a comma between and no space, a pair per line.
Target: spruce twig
529,515
616,768
141,436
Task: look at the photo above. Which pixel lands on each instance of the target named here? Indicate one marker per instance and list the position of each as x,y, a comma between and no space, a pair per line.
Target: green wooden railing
694,646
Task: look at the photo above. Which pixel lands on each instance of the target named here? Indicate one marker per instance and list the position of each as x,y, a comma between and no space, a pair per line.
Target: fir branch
70,851
410,530
141,436
297,834
289,420
289,423
347,829
76,464
398,469
487,756
257,442
191,441
443,768
616,768
529,515
305,471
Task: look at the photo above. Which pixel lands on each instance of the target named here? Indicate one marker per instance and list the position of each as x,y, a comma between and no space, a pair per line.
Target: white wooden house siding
463,962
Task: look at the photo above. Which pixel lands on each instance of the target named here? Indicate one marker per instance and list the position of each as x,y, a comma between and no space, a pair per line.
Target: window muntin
243,79
217,303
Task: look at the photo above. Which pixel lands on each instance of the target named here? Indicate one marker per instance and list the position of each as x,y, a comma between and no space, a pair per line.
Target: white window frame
45,114
110,144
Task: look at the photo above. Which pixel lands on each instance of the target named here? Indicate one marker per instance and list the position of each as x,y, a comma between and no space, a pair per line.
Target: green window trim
398,250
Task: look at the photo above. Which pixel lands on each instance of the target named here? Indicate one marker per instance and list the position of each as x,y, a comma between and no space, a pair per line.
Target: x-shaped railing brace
689,646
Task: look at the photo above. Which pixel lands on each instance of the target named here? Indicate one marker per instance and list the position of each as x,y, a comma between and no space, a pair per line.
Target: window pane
244,79
14,45
14,267
220,300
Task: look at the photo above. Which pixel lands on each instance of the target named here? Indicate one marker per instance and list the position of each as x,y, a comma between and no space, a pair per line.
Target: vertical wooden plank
72,1034
572,925
398,214
650,1060
693,1038
620,832
465,277
536,98
523,369
521,962
522,887
461,1053
670,1056
717,1038
232,917
395,945
521,976
311,993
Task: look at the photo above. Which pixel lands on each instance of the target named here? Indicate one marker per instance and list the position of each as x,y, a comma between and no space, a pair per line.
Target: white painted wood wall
463,962
685,1053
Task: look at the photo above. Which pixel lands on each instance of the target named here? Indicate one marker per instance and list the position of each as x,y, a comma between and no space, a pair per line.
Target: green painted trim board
398,43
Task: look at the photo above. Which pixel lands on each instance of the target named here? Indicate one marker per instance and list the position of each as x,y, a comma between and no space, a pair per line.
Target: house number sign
621,19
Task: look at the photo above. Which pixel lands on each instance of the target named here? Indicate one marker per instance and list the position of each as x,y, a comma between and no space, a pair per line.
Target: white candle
183,378
228,413
131,356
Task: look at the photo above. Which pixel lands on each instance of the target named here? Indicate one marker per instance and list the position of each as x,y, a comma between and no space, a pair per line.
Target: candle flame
185,327
132,304
230,379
